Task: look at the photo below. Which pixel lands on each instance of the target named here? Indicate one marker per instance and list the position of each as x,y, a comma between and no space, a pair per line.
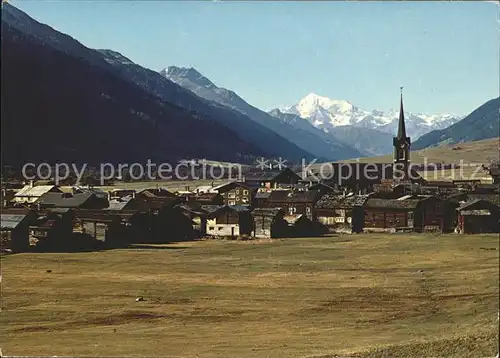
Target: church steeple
401,123
401,142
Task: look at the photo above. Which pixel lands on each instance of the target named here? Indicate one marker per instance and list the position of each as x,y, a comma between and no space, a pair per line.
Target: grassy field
355,295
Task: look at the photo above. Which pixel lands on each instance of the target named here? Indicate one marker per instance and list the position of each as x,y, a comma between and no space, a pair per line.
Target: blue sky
445,54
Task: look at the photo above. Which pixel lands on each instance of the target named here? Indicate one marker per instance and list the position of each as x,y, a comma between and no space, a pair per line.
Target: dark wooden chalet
14,225
154,193
269,223
53,229
270,179
294,202
226,220
260,199
300,225
85,200
165,221
478,216
202,198
412,213
235,193
339,213
197,215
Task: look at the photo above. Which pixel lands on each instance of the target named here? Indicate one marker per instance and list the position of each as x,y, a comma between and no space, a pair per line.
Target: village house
197,215
154,192
269,223
478,216
227,220
202,198
293,202
270,179
299,225
421,213
30,193
86,200
389,214
14,225
339,213
234,193
53,229
105,228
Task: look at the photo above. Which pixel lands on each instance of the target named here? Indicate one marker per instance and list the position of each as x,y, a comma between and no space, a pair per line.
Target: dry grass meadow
352,295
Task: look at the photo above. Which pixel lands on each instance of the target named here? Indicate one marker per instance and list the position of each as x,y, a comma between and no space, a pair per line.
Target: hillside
306,136
482,123
247,129
109,64
62,108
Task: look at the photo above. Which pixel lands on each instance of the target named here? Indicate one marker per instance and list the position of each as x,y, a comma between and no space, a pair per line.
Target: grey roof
392,203
293,196
492,198
237,208
468,204
266,175
11,221
211,208
267,211
335,201
234,183
65,200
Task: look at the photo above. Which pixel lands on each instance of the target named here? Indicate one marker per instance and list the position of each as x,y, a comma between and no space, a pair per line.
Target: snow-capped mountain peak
326,113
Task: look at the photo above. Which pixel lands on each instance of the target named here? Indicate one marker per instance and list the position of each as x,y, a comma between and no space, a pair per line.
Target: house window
232,195
220,228
237,191
245,192
308,210
231,202
211,228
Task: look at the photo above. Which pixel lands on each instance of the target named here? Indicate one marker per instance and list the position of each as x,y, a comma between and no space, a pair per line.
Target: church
363,178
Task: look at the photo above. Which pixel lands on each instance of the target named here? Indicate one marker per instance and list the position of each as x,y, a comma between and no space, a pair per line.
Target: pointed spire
401,125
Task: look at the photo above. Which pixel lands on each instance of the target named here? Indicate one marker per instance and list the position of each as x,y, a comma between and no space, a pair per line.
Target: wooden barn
478,216
300,225
53,229
269,223
233,221
340,213
294,202
408,213
86,200
14,227
198,217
